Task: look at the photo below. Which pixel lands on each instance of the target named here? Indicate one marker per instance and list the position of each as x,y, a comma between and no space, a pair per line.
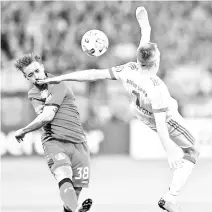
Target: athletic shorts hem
59,165
81,185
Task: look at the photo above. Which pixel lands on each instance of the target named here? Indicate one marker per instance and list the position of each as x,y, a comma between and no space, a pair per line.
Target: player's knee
63,172
191,152
78,191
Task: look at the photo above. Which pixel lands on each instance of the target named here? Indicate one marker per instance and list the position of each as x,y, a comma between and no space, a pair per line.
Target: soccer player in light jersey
151,103
63,139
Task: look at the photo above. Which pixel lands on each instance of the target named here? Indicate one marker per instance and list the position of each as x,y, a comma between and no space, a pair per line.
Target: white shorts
180,134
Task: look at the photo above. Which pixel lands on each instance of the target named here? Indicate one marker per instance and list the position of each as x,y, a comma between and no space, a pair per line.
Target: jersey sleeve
158,100
56,95
37,103
121,72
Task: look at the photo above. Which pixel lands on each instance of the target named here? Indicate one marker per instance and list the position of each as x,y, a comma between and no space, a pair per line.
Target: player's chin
36,83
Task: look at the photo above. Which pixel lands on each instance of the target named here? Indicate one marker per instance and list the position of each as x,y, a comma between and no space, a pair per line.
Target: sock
66,210
170,197
68,195
180,176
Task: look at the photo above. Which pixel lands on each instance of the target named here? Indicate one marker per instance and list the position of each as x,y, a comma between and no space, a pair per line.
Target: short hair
146,54
26,60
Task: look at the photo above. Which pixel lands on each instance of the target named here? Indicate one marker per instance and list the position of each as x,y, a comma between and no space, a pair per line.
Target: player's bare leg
143,21
63,175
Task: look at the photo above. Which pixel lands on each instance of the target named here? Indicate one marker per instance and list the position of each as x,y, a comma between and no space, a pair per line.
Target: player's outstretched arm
81,76
42,119
143,21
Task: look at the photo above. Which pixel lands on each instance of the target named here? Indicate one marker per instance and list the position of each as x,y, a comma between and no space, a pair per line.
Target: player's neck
41,87
148,71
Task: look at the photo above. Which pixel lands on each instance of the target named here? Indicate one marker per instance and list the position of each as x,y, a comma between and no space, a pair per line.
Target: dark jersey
66,125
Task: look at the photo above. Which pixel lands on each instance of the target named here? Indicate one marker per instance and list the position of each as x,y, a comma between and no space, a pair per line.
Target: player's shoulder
60,86
157,86
126,66
156,81
34,93
123,71
66,86
132,65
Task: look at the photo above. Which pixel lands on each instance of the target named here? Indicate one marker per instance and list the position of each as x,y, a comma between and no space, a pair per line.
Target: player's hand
139,11
19,135
53,80
142,16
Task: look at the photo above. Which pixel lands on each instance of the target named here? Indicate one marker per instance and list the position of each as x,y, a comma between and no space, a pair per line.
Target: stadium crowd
54,29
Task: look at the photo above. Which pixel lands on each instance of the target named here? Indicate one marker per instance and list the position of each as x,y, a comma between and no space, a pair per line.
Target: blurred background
122,150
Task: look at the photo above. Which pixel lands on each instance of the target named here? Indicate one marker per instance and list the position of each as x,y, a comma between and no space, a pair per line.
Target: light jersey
66,125
148,94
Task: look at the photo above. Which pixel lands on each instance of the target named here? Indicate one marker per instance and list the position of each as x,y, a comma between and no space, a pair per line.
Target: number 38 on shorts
81,175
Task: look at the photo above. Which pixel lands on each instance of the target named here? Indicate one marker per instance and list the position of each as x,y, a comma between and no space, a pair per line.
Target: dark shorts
77,156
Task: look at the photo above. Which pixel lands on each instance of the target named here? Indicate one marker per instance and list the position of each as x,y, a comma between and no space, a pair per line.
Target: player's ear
24,75
23,72
42,66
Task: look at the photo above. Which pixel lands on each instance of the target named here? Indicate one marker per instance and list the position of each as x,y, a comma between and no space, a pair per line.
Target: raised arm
143,21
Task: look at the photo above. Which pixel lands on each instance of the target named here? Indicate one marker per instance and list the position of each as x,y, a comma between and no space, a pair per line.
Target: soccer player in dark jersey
64,141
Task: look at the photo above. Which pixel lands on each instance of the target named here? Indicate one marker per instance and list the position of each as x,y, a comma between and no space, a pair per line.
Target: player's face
34,72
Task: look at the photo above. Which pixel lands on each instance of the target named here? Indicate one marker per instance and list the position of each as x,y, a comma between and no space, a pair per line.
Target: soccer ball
94,43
